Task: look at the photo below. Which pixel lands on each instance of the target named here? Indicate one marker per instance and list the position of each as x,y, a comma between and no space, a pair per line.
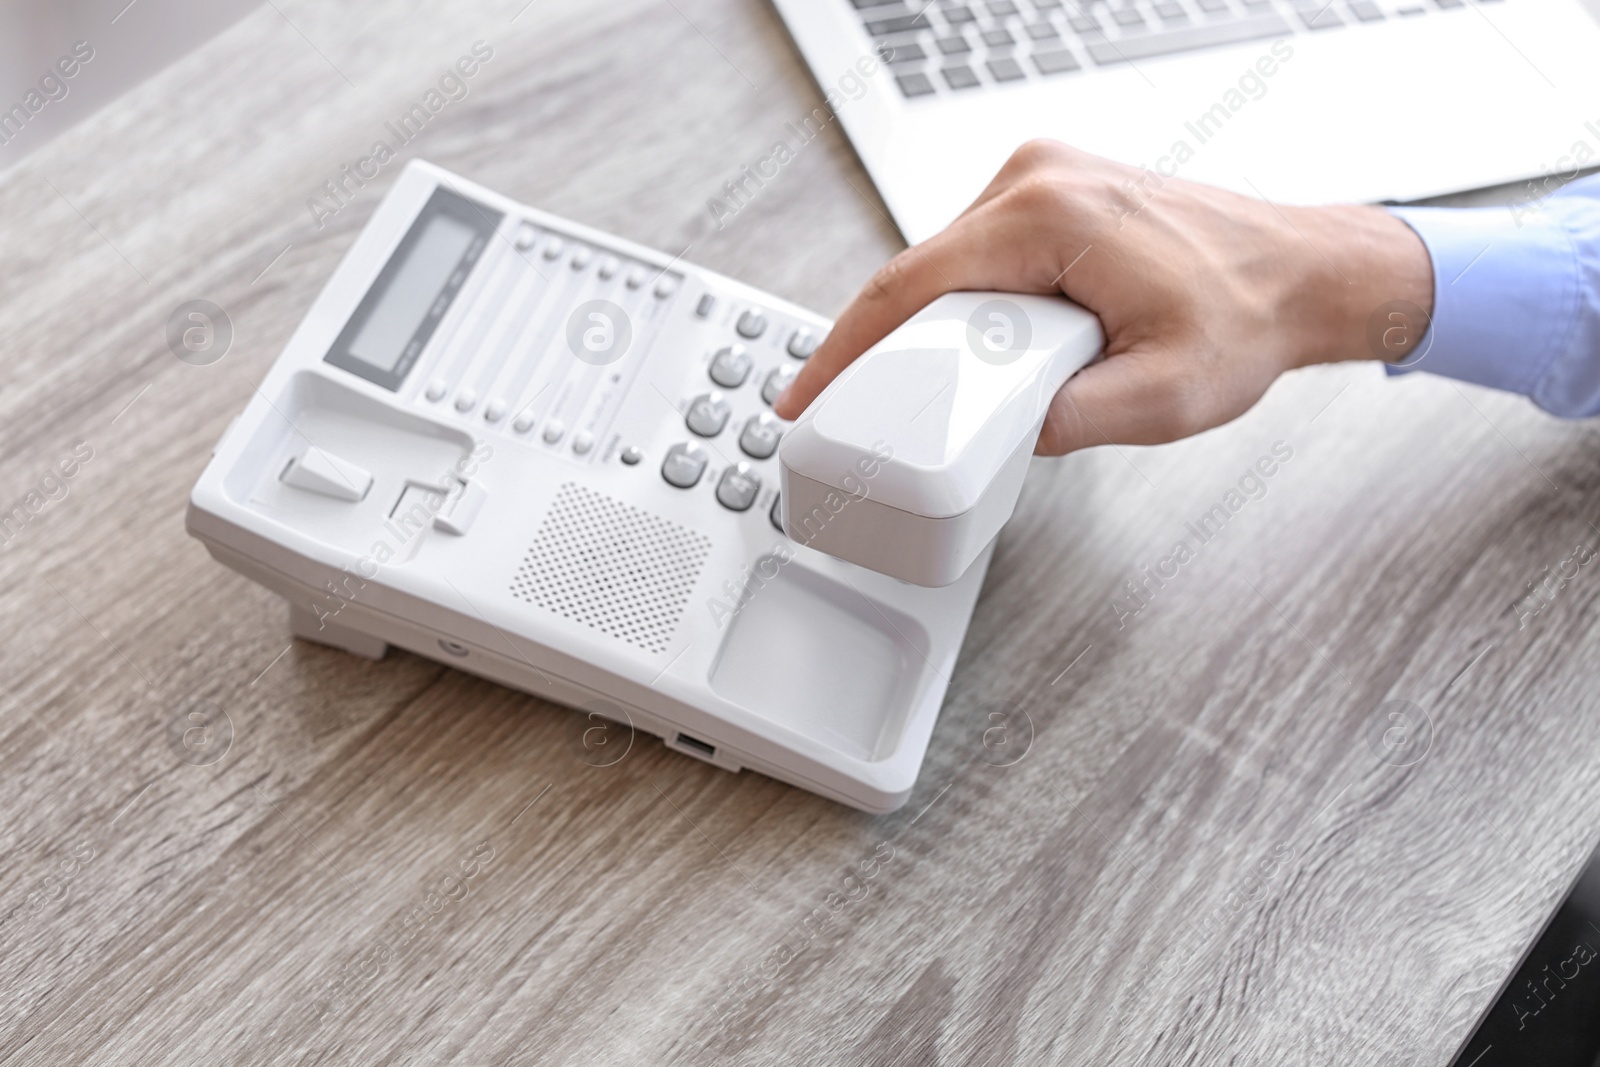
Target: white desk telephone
547,456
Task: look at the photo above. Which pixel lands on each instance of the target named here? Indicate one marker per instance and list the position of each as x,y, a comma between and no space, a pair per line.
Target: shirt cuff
1504,295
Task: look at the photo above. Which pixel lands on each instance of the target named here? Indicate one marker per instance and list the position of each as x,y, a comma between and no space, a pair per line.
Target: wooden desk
1192,855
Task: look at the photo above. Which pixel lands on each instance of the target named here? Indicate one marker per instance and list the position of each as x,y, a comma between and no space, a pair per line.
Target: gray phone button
738,486
708,414
777,381
751,323
759,438
730,366
684,464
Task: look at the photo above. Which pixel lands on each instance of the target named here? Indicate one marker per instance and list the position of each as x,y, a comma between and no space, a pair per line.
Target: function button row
777,381
708,414
760,436
684,465
495,410
527,236
802,343
730,366
752,323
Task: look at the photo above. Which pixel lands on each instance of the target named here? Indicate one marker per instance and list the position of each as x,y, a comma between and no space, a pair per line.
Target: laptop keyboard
950,46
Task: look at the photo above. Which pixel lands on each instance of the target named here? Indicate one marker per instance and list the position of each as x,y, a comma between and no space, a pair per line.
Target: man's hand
1205,296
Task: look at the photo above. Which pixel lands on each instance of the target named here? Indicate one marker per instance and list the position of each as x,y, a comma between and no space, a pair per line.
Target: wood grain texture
1180,848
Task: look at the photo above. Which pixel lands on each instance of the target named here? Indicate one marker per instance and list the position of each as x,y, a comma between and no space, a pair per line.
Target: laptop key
1002,8
998,38
1365,10
1322,18
1083,23
914,84
959,77
953,46
1055,62
1171,12
1448,3
1005,69
901,51
1042,31
1213,7
1132,49
897,24
958,14
872,3
1129,18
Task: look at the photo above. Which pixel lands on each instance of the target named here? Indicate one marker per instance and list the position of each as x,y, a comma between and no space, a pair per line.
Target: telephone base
305,625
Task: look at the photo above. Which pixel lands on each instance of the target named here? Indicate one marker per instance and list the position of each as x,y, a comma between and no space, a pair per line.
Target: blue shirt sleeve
1516,297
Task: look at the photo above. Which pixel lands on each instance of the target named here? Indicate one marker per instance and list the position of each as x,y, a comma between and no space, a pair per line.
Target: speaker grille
612,566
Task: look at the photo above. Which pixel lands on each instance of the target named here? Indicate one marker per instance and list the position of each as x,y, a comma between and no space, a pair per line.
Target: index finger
901,287
996,246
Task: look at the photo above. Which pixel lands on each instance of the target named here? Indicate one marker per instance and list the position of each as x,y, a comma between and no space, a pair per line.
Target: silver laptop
1296,101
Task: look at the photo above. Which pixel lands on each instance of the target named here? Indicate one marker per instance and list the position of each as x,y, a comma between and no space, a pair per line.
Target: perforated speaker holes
612,566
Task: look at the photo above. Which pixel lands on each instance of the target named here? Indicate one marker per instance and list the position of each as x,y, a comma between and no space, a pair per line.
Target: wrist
1364,289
